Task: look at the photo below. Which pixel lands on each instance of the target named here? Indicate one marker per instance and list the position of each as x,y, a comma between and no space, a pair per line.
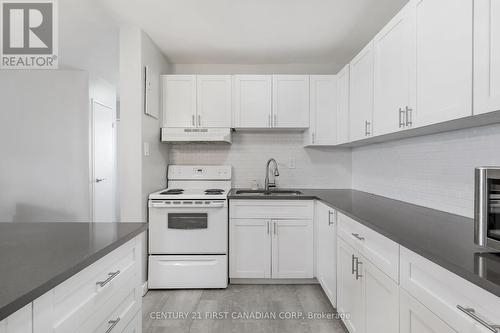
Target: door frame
92,144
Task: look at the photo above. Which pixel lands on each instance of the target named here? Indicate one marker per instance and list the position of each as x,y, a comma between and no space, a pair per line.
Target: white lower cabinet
349,289
367,297
135,325
19,322
416,318
250,248
292,249
103,297
267,242
326,250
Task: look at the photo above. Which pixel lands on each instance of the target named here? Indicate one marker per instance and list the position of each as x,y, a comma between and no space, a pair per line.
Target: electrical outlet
291,163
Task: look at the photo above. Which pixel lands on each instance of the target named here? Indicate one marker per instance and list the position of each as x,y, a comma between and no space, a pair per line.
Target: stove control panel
199,172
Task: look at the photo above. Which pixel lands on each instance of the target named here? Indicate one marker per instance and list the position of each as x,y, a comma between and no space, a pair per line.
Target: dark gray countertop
445,239
36,257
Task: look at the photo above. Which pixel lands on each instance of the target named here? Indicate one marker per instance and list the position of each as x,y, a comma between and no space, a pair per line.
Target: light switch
146,148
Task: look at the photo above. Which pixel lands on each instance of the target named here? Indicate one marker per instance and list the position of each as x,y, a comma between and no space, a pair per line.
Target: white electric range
188,229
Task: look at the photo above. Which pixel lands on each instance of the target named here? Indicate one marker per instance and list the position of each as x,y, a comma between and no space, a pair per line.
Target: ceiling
257,31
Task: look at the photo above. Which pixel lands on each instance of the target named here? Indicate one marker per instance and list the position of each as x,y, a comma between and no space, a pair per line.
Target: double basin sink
268,193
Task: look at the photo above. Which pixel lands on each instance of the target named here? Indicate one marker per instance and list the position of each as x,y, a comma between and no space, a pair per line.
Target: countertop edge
464,274
35,293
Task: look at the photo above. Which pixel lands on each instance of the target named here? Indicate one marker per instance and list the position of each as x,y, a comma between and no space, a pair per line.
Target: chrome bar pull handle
353,259
274,229
113,324
192,121
409,116
269,120
401,120
472,313
367,128
330,218
268,227
111,276
358,237
313,137
275,121
199,120
358,276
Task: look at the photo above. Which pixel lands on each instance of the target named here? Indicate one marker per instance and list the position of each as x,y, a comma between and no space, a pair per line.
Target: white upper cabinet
394,73
361,94
179,100
252,101
444,60
290,101
323,110
342,123
214,101
486,56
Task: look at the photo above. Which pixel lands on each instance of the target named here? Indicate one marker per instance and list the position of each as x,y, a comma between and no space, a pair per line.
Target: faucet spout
276,173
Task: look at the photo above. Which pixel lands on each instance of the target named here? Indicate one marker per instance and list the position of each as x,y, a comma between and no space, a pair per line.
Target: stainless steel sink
270,192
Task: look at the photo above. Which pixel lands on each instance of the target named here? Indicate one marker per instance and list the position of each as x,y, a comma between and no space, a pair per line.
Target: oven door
188,227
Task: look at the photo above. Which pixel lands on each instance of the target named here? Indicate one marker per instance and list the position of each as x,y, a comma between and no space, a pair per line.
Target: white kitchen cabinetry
416,318
292,249
323,110
349,288
455,301
213,101
290,101
325,219
19,322
444,58
342,123
361,95
395,73
381,298
104,296
486,56
271,239
179,100
250,248
252,101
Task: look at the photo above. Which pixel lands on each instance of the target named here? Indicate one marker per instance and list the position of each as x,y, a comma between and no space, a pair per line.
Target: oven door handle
161,204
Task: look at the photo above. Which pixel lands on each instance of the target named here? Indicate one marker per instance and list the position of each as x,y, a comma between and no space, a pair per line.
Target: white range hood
188,135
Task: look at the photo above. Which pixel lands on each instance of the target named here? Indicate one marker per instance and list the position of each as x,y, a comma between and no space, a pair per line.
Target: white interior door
103,126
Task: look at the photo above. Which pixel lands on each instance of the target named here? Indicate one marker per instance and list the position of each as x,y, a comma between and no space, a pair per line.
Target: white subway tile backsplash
249,152
436,171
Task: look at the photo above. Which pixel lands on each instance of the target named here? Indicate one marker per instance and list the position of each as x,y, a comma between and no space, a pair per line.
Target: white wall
436,171
315,168
255,68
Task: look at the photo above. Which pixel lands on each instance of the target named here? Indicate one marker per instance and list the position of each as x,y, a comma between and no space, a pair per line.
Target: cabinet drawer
380,250
442,292
114,315
272,209
66,307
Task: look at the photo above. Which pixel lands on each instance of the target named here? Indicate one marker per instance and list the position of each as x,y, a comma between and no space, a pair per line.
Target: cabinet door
361,94
18,322
394,72
381,297
416,318
343,106
349,289
323,109
250,248
325,219
486,56
444,58
252,101
290,101
293,251
179,100
214,101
